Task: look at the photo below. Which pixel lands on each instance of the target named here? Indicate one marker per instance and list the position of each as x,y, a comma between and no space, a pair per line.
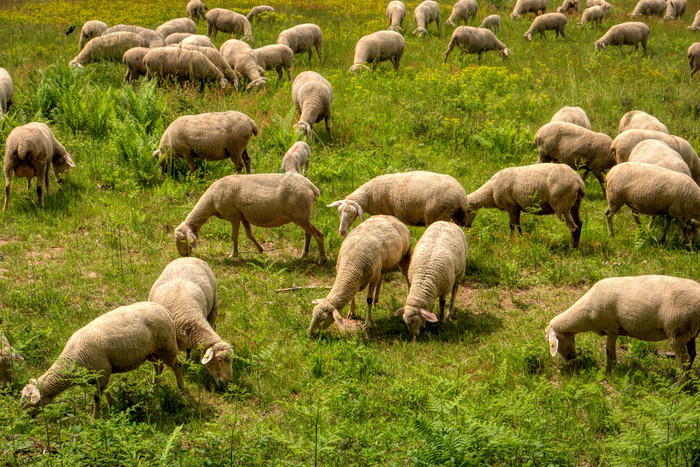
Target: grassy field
481,389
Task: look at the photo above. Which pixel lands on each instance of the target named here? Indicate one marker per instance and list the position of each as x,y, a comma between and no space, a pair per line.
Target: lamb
575,115
29,151
210,136
256,10
150,38
177,25
6,91
372,249
241,58
196,10
601,3
312,95
198,40
696,22
655,152
182,65
649,8
593,15
296,158
528,6
694,58
415,198
437,265
475,41
649,308
135,66
637,119
89,30
548,22
187,289
277,57
107,47
265,200
568,7
8,359
463,9
395,13
220,19
675,9
218,60
575,146
424,14
492,22
378,47
302,38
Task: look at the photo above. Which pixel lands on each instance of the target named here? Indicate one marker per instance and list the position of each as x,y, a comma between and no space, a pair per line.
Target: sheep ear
336,203
553,342
360,213
68,160
338,319
398,312
428,316
208,355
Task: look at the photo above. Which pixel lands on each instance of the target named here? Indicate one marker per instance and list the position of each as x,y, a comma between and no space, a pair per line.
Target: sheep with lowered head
601,3
242,59
568,7
150,38
475,41
649,8
176,25
675,9
575,115
651,151
464,10
8,360
135,66
265,200
177,37
649,308
198,40
630,33
302,38
395,13
696,22
424,14
217,59
378,47
694,58
637,119
276,57
492,22
296,158
372,249
593,15
221,19
528,6
89,30
548,22
256,10
312,95
6,91
116,342
196,10
109,47
183,65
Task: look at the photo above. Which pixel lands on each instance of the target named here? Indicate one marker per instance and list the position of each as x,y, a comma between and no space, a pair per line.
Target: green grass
481,389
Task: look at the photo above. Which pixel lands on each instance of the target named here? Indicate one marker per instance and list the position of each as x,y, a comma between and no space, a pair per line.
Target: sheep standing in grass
437,265
575,115
220,19
6,91
256,10
296,158
548,22
276,57
30,150
395,13
89,30
312,95
415,198
568,7
107,47
116,342
302,38
242,59
593,15
649,308
631,33
649,8
696,22
177,37
371,250
8,359
492,22
523,7
694,58
655,152
218,60
378,47
150,38
181,25
265,200
196,10
198,40
675,9
464,10
639,120
182,65
475,41
424,14
135,66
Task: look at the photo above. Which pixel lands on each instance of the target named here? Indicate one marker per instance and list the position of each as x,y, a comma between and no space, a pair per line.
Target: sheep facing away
177,25
377,47
649,308
89,30
475,41
107,47
639,120
575,115
241,58
198,40
302,38
630,33
256,10
6,91
675,9
492,22
696,22
464,10
221,19
593,15
548,22
196,10
601,3
312,95
395,13
528,6
135,66
265,200
424,14
649,8
296,158
694,58
372,249
9,358
276,57
182,65
538,189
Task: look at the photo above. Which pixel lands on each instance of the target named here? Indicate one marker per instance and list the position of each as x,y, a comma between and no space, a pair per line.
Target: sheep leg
515,220
40,188
574,228
318,51
328,127
234,238
609,213
441,302
249,234
351,311
372,297
610,352
662,238
635,216
8,176
311,229
310,53
683,355
451,312
601,180
307,244
691,351
246,160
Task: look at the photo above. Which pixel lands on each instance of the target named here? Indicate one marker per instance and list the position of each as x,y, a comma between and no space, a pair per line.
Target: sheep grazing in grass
649,308
182,65
475,41
538,189
116,342
593,15
523,7
135,66
492,22
371,250
568,7
296,158
696,22
462,10
312,95
639,120
109,47
548,22
256,10
631,33
150,38
437,265
89,30
601,3
198,40
649,8
675,9
378,47
265,200
276,57
424,14
415,198
217,59
9,358
177,37
30,150
694,58
242,59
177,25
6,91
395,13
302,38
196,10
651,151
220,19
575,115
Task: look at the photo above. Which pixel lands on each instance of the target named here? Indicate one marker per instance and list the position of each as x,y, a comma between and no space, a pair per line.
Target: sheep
637,119
242,59
177,37
655,152
256,10
217,59
415,198
437,265
116,342
196,10
475,41
696,22
492,22
593,15
89,30
601,3
220,19
302,38
548,22
312,95
528,6
675,9
649,308
150,38
694,58
378,47
372,249
296,158
6,91
424,14
182,65
187,289
568,7
275,56
265,200
176,25
463,9
135,66
8,359
649,8
212,136
395,13
575,115
652,190
30,150
575,146
107,47
630,33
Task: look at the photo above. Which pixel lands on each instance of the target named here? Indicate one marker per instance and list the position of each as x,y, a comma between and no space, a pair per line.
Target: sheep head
223,83
62,163
218,360
505,52
414,318
185,239
258,83
599,45
564,343
358,67
303,128
690,234
322,316
31,396
421,31
349,211
396,29
528,36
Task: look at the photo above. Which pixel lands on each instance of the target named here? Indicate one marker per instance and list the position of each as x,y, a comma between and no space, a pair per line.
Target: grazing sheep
424,14
372,249
696,22
220,19
395,13
655,152
378,47
694,58
415,198
242,59
109,47
649,308
177,37
631,33
218,60
6,91
568,7
182,65
649,8
548,22
312,95
464,10
210,136
575,146
675,9
277,57
528,6
639,120
575,115
492,22
150,38
135,66
296,158
177,25
30,150
89,30
187,289
302,38
256,10
8,359
265,200
196,10
475,41
437,265
199,40
116,342
593,15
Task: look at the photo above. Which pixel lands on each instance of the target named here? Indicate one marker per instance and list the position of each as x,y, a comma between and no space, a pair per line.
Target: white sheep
548,22
649,308
630,33
395,13
675,9
135,66
371,250
464,10
639,120
492,22
378,47
415,198
649,8
150,38
696,22
116,342
242,59
276,57
437,265
651,151
182,65
312,95
296,158
601,3
528,6
198,40
196,10
89,30
177,37
424,14
217,59
694,58
475,41
256,10
6,91
30,150
265,200
575,115
177,25
568,7
221,19
107,47
302,38
9,358
593,15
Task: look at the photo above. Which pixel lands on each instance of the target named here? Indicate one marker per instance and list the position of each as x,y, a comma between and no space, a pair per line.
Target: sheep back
593,15
528,6
639,120
182,64
301,38
462,10
475,41
177,25
548,22
256,10
492,22
150,38
655,152
630,33
109,46
377,47
575,115
424,14
199,40
221,19
649,8
395,13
